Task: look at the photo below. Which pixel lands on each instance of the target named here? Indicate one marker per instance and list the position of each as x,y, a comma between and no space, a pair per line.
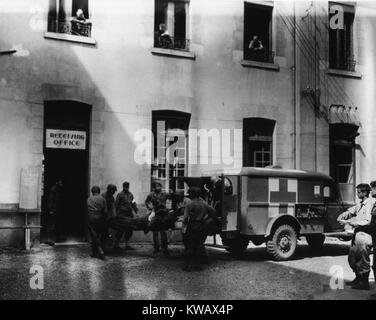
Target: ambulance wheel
315,241
282,243
235,246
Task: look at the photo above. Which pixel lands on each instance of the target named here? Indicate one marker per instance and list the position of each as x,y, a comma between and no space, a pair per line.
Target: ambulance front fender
280,220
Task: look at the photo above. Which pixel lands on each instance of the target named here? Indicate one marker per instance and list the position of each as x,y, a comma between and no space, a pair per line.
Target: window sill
174,53
260,65
344,73
70,38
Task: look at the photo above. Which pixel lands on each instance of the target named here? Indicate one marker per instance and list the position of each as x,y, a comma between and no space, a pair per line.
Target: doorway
66,158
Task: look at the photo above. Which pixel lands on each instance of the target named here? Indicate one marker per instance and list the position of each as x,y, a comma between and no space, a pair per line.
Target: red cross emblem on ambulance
282,197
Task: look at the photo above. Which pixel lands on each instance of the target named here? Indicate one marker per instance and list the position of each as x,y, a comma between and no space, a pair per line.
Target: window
170,131
258,142
341,54
69,17
171,24
342,157
258,33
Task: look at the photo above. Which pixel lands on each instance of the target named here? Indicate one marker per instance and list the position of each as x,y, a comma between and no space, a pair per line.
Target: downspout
316,86
294,92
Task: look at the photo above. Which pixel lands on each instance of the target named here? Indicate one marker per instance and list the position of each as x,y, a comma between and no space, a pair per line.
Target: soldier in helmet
125,205
194,230
155,198
110,201
97,215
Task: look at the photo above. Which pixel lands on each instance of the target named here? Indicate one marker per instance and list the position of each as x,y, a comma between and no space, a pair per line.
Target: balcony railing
261,55
72,26
172,43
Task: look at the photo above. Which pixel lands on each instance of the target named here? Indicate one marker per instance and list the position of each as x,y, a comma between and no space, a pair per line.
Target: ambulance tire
282,243
235,246
315,241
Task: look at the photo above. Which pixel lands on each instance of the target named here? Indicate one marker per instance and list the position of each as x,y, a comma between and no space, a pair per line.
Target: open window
341,52
342,157
170,150
258,142
69,17
171,24
258,32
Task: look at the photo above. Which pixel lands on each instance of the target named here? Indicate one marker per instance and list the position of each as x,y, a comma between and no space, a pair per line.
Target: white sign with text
65,139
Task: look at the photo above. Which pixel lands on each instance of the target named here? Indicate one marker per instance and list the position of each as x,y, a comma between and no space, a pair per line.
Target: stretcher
157,223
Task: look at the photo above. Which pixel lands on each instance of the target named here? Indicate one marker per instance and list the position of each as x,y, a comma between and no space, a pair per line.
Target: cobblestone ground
69,273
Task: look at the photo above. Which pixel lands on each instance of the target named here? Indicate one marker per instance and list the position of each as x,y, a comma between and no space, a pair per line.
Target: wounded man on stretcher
160,219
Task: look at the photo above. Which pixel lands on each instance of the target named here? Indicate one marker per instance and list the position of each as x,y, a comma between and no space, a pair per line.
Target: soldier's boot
355,281
363,284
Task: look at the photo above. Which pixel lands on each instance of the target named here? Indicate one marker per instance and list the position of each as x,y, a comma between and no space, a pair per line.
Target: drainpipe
295,80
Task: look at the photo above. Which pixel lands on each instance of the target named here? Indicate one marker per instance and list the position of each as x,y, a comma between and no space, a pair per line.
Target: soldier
125,204
55,202
156,197
194,231
357,217
97,215
371,228
110,201
180,202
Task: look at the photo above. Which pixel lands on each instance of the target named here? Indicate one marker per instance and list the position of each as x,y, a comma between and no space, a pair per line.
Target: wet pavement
70,273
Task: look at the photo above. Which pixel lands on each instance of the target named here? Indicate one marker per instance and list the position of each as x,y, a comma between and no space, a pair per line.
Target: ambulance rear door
230,203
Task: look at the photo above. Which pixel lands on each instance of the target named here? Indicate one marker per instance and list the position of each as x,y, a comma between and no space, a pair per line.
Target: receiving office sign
65,139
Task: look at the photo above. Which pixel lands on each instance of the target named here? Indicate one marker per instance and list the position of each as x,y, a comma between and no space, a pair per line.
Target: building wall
124,82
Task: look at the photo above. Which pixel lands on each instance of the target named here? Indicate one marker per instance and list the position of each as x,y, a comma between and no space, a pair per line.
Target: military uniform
97,215
158,198
194,231
124,206
371,230
359,253
110,201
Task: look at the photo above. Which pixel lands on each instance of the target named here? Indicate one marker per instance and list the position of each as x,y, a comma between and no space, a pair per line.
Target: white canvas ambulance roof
269,172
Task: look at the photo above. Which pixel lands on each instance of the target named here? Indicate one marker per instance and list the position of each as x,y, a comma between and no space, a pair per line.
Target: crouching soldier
97,216
194,230
359,218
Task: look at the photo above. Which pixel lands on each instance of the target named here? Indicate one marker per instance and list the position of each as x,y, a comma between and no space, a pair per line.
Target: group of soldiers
361,219
194,210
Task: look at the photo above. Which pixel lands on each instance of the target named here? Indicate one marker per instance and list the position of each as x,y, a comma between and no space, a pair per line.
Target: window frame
246,35
170,22
169,116
55,34
348,62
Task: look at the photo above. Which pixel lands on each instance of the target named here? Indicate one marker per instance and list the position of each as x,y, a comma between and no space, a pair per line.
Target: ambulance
273,206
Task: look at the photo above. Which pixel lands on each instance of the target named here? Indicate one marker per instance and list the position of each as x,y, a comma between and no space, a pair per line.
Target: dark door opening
66,158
